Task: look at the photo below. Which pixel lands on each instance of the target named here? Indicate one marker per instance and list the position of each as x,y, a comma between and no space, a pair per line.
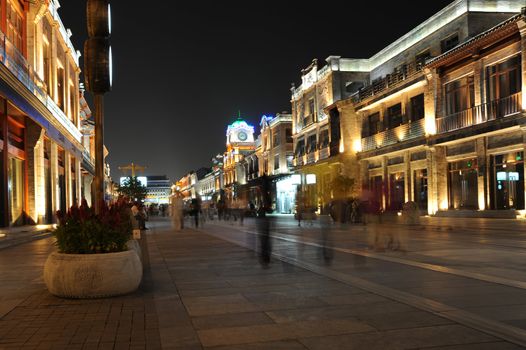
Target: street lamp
98,76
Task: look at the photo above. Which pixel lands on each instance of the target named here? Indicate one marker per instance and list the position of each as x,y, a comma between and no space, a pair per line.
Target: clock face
242,136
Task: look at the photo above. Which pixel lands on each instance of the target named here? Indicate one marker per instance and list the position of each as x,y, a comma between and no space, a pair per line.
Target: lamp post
98,77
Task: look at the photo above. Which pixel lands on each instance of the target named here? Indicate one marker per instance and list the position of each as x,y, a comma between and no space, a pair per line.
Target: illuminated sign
296,179
311,179
143,180
513,176
501,176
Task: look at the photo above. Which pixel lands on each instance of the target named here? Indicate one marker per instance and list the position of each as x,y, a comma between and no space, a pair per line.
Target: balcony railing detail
311,158
394,79
324,153
392,136
480,114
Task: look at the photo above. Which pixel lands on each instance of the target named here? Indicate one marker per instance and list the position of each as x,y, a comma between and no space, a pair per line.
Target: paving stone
412,338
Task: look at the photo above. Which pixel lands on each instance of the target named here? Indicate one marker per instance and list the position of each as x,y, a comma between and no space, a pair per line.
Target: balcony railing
324,153
392,136
13,59
394,79
480,114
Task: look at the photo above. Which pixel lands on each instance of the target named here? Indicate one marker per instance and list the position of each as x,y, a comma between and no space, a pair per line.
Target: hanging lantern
99,18
98,64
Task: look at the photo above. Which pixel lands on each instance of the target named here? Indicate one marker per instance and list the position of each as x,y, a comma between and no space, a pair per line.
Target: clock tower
239,143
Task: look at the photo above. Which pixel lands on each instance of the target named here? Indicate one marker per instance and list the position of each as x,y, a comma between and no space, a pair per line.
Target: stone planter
92,275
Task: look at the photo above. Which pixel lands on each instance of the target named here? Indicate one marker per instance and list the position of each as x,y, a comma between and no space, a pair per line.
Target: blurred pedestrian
263,228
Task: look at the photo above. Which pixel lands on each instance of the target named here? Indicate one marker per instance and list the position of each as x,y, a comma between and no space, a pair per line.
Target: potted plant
93,259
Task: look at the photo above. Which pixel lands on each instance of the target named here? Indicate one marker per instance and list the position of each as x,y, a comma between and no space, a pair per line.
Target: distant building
159,189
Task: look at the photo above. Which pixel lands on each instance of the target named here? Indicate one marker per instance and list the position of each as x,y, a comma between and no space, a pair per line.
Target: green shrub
80,231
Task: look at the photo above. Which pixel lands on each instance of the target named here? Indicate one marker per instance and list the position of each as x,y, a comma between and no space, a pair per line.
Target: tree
132,188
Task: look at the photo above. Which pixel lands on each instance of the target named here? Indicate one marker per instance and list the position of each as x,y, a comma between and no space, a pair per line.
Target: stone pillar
432,201
480,147
522,29
431,92
478,82
408,179
53,168
68,178
439,178
35,205
385,183
53,77
78,181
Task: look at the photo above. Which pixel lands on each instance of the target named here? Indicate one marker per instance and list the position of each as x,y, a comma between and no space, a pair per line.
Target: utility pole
98,76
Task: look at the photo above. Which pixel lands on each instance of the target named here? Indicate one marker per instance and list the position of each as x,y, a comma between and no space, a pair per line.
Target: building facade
240,143
159,189
439,120
316,130
43,157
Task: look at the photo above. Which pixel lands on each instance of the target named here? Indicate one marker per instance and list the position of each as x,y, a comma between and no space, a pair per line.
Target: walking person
196,209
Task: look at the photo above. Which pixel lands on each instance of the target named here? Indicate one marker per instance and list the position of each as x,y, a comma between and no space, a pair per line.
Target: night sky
183,69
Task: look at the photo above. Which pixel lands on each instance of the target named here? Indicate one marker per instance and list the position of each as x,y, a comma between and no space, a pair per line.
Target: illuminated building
270,166
240,143
159,189
43,154
439,120
316,133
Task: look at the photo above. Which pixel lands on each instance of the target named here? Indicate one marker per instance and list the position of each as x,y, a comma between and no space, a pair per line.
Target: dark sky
183,69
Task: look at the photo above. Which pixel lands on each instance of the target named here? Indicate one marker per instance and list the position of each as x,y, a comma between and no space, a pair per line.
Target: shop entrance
507,180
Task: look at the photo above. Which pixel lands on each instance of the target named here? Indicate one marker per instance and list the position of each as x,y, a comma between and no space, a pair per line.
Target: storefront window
463,184
420,188
396,191
507,181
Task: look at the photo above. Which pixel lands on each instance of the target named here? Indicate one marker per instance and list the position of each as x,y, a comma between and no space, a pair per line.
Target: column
68,177
53,168
4,175
480,147
440,174
87,180
363,180
432,200
36,196
408,179
385,183
522,29
431,97
53,78
78,183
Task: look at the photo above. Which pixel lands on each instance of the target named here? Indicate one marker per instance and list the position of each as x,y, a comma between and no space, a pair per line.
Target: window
311,143
394,116
324,138
417,107
15,25
276,136
289,162
460,95
449,42
374,125
300,148
61,88
504,79
288,135
421,58
276,162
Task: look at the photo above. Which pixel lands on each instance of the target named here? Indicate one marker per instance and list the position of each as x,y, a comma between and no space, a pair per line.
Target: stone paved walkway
206,293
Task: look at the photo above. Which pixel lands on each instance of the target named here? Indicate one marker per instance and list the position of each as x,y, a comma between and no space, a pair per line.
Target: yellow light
357,145
482,205
342,147
430,126
2,235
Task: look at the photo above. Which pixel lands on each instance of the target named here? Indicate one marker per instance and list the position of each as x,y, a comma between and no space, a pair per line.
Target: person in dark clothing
196,209
263,227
